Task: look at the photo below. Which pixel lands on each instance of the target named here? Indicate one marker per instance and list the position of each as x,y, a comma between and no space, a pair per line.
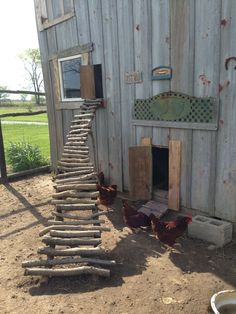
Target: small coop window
69,69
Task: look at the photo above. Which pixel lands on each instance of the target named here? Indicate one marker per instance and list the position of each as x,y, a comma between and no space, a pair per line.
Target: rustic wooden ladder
77,236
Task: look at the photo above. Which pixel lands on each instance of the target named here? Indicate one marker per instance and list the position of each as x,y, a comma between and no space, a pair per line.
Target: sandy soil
148,277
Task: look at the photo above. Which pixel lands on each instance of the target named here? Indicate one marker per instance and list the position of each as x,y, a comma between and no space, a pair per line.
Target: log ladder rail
77,236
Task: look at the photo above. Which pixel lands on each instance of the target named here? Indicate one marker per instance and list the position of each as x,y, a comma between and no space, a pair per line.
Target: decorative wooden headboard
172,109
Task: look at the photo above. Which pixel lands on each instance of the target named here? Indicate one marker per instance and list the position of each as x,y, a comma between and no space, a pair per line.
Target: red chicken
107,193
134,219
168,231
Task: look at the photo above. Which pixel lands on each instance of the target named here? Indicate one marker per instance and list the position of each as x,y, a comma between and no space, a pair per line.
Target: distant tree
3,96
32,64
23,97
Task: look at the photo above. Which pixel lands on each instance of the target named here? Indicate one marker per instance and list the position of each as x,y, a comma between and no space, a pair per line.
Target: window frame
63,99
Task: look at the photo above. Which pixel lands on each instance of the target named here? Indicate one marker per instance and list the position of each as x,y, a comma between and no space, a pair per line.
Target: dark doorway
160,157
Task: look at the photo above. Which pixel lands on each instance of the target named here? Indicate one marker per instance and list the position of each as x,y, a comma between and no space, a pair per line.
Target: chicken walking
168,231
134,219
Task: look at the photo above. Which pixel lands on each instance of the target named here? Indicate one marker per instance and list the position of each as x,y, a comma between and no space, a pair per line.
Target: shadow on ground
27,207
195,257
131,253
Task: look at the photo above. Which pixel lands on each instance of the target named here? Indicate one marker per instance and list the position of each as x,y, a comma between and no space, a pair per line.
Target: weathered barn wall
194,37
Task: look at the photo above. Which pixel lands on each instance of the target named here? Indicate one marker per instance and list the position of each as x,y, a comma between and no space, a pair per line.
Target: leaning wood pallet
73,241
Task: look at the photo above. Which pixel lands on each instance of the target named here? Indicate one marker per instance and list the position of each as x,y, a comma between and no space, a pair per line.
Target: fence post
3,167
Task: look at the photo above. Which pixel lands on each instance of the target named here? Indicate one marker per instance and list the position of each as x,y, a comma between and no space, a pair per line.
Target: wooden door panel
174,174
140,172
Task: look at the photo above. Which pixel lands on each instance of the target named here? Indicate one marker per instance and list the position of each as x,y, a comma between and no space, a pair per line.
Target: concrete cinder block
211,230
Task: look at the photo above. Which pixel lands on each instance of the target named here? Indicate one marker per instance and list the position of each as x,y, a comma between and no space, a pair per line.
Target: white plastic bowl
222,298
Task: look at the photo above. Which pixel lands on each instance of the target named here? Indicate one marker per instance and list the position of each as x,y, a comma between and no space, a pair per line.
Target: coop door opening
153,168
160,163
166,174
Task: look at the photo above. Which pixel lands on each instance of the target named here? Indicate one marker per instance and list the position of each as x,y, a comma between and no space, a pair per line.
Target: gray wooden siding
225,200
194,37
182,62
96,33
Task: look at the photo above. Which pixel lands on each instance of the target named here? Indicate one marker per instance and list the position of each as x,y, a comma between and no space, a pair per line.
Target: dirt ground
148,277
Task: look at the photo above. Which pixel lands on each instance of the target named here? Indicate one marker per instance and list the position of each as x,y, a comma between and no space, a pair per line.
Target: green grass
35,134
37,118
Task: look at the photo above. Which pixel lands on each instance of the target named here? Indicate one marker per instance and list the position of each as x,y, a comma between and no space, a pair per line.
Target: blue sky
17,33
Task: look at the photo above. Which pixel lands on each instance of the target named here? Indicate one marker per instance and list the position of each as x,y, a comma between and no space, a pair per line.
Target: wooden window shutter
174,174
87,82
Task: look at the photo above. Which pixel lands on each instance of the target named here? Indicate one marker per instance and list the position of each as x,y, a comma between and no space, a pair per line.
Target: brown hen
107,193
134,219
168,231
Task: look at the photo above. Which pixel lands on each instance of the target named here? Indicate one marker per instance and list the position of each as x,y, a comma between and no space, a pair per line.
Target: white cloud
17,33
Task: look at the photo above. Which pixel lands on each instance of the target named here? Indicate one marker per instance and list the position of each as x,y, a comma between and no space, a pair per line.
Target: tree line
32,64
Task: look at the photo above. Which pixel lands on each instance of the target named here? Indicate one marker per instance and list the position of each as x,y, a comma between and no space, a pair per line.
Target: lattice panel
176,107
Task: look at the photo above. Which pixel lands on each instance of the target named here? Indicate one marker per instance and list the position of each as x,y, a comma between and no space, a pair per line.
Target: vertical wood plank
185,137
160,136
206,81
51,40
142,131
61,5
3,168
146,141
174,174
112,82
160,17
44,44
96,30
57,8
60,37
140,172
126,59
56,99
160,57
67,117
143,46
82,20
68,6
225,202
202,176
66,33
142,19
50,48
182,16
84,25
182,44
40,11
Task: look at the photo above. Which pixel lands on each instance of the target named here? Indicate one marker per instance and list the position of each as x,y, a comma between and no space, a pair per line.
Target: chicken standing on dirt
107,193
168,231
133,218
